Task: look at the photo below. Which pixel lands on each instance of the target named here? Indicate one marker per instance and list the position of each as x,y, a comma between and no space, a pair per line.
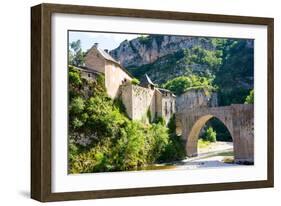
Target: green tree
250,98
181,84
75,54
210,135
175,148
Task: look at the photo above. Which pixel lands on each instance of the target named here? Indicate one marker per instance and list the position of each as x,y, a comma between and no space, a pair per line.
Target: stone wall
158,104
165,105
88,75
243,132
95,61
195,98
114,78
126,97
143,102
138,101
213,102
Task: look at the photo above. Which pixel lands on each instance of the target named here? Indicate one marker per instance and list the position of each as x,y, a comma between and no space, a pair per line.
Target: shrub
250,98
135,81
129,150
181,84
74,76
77,105
174,150
172,125
96,159
159,133
210,135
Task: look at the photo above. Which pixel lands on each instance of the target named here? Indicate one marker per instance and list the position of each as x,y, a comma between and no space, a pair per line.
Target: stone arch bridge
238,119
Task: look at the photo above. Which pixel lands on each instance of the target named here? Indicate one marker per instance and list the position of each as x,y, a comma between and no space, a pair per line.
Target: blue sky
106,40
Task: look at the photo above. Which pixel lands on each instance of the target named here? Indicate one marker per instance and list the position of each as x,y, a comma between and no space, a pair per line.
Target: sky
106,40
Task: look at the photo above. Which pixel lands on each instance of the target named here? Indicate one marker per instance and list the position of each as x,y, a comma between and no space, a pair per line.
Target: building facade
115,75
144,102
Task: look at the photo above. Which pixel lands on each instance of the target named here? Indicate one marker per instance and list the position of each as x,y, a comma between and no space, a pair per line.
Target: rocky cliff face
147,49
168,67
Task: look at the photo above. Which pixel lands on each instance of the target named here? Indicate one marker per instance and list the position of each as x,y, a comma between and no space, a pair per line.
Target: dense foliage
102,138
235,76
181,84
200,56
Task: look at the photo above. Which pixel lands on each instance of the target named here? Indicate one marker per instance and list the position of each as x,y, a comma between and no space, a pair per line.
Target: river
219,154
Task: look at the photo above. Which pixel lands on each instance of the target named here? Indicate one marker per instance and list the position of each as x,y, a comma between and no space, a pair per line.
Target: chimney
96,45
106,50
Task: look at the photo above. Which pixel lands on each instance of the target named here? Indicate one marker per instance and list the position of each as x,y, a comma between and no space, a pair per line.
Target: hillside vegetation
102,138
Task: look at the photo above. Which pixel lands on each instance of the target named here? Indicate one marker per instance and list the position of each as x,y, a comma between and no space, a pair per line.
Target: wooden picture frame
41,116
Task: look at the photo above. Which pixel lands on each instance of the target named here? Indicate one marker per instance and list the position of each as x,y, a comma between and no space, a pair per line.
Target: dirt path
215,147
215,155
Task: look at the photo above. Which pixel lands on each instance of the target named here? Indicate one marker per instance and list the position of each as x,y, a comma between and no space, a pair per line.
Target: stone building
146,101
99,60
143,102
165,104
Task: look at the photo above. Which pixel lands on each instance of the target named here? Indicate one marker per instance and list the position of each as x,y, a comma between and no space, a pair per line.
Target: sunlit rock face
147,49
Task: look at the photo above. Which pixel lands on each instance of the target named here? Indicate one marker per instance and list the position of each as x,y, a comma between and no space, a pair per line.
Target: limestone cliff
147,49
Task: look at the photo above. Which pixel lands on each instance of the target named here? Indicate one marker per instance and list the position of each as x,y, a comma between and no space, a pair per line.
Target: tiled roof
107,56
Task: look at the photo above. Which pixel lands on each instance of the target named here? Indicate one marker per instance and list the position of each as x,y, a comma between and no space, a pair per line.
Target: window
89,75
166,108
171,109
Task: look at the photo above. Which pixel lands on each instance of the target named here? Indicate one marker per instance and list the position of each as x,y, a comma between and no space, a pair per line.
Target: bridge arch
237,118
193,136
